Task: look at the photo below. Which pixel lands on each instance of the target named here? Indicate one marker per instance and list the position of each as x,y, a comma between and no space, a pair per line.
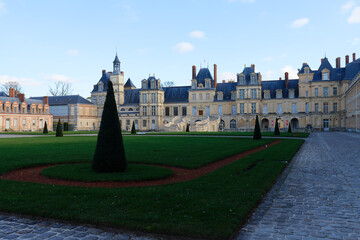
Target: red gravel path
33,174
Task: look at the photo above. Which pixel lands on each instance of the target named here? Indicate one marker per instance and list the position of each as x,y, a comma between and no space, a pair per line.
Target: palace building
322,99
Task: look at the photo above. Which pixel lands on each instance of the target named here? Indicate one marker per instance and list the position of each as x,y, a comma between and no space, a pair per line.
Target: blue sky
46,41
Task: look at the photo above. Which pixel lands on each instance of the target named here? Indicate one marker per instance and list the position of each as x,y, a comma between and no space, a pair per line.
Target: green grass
210,207
84,172
269,134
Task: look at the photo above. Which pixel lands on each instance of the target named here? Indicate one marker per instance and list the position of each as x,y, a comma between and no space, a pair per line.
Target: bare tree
61,89
7,85
168,84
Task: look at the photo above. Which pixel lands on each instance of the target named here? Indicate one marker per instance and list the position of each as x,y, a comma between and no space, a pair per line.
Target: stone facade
318,99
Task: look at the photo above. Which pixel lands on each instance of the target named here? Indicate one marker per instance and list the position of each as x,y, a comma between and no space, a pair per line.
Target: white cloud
299,23
268,59
59,78
355,16
73,52
227,76
2,7
21,81
292,71
197,34
346,7
184,47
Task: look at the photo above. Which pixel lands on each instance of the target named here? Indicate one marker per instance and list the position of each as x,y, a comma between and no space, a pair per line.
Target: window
316,107
253,107
153,110
15,109
220,96
267,95
144,84
306,79
136,124
176,111
207,84
144,123
100,88
194,111
307,93
335,107
24,111
278,93
242,108
34,122
233,95
128,122
307,107
167,111
24,122
294,108
184,112
100,100
94,100
242,93
279,108
292,94
325,91
326,108
265,109
193,84
39,111
153,98
335,91
316,92
242,80
144,98
325,76
15,122
207,96
233,109
219,110
306,70
7,109
253,79
200,97
193,97
233,124
207,109
144,110
253,93
33,110
153,84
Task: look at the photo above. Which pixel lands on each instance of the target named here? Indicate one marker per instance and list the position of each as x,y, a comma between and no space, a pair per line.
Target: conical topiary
133,130
289,128
187,127
277,130
45,128
59,132
109,154
257,132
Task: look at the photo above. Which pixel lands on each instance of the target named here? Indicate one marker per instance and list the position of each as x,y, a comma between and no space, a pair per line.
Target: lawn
209,207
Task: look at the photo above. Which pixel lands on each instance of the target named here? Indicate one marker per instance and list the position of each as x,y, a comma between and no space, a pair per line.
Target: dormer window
325,76
253,79
207,83
193,84
291,93
144,84
233,95
242,80
153,84
100,87
279,93
220,96
306,70
267,94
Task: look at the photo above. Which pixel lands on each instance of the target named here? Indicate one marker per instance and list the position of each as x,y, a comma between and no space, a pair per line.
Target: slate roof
3,94
202,75
247,72
131,96
129,84
176,94
65,100
28,101
105,78
352,69
116,60
226,88
280,84
303,67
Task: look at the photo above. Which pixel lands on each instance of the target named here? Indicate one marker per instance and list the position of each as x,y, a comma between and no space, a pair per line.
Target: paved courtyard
317,197
320,195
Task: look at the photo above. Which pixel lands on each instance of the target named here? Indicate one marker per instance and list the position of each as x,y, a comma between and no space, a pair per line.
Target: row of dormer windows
194,84
8,108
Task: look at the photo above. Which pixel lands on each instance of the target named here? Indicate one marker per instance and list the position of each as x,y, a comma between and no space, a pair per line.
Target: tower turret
116,65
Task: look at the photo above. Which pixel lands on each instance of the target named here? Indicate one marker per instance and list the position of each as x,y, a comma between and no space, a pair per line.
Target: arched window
233,124
130,109
122,110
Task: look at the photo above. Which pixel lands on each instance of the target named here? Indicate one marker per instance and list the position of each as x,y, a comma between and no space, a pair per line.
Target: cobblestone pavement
318,196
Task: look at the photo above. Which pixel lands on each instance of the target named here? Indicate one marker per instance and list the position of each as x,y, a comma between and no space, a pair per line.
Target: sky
42,41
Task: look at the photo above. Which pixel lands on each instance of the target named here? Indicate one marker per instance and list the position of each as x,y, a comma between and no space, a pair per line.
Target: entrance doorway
201,112
7,123
326,124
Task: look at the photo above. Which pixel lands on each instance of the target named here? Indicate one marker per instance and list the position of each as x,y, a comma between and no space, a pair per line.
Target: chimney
354,56
122,73
253,67
193,72
21,97
286,79
304,63
215,75
346,60
46,100
11,92
338,64
280,78
322,60
103,71
223,81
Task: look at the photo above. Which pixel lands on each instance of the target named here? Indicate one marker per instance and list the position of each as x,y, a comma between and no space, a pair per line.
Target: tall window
279,108
100,88
242,80
193,84
15,122
193,97
325,76
207,109
265,109
253,79
207,84
24,122
219,110
153,98
307,107
291,94
335,91
316,92
325,91
326,108
144,110
200,97
194,111
316,107
94,100
233,95
144,123
100,100
233,109
167,111
242,108
306,79
294,108
253,93
153,110
307,93
176,111
253,107
144,98
153,84
233,124
267,95
335,107
278,93
207,96
242,93
184,111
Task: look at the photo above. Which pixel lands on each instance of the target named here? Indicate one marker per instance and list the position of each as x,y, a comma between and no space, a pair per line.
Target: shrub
45,128
109,154
66,126
277,130
59,132
289,128
187,127
133,130
257,132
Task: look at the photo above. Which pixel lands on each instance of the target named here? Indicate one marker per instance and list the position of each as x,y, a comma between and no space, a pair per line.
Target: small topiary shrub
289,128
45,131
187,127
133,130
257,132
277,130
59,132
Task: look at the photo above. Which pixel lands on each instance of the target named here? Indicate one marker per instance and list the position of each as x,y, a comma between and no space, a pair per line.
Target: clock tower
117,78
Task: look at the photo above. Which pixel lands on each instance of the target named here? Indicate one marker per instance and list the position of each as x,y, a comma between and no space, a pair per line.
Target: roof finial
116,49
